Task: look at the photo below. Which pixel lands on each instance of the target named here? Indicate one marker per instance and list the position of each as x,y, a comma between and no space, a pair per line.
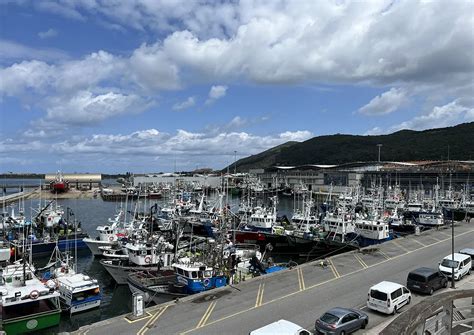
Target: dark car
426,280
341,320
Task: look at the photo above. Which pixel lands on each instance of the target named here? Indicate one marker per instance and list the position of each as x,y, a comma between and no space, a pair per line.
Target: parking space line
206,315
152,320
301,279
137,320
313,286
420,243
334,270
445,234
360,261
259,300
384,255
400,246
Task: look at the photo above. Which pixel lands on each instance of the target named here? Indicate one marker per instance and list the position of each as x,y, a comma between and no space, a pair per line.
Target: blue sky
91,85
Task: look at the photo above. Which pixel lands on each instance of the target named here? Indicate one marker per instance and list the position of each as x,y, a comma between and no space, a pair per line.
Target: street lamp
379,145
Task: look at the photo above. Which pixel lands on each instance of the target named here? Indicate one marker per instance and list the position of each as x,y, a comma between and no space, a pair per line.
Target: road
299,295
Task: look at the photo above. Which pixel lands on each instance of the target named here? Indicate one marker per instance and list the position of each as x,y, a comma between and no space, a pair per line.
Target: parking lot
299,294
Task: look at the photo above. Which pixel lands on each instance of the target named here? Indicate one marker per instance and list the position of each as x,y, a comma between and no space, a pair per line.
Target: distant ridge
403,145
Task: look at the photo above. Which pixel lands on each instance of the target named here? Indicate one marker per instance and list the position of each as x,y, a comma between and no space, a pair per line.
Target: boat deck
300,294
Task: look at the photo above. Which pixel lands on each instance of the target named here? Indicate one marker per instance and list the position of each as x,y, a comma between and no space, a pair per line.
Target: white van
470,252
388,297
462,265
281,327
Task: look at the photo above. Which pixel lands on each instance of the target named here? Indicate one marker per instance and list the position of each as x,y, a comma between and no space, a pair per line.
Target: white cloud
48,33
374,131
385,103
441,116
216,93
188,103
127,151
185,143
13,51
88,108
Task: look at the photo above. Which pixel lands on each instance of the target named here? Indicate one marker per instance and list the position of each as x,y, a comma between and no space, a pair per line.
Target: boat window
80,296
194,274
207,273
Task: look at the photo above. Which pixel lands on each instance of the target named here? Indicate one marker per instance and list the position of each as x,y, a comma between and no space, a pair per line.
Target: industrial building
320,178
79,181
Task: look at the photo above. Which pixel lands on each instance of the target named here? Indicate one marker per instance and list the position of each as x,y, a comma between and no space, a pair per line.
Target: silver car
340,321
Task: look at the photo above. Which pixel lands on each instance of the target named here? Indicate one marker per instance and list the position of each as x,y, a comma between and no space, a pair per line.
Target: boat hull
154,293
94,245
84,306
40,248
31,323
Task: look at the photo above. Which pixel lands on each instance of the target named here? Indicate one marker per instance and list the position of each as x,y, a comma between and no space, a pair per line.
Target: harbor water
92,213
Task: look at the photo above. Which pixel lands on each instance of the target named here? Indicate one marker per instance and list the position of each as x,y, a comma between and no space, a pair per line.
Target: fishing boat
184,280
59,184
26,303
78,291
141,256
108,235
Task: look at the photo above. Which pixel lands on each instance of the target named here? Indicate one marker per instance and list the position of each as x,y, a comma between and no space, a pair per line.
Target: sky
148,86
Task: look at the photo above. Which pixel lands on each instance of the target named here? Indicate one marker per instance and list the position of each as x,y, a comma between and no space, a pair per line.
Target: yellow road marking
384,254
400,246
152,320
137,320
314,286
259,300
207,314
420,243
334,270
360,261
301,279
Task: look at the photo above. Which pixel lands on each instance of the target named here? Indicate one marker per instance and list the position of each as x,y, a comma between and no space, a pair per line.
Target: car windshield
449,263
329,318
378,295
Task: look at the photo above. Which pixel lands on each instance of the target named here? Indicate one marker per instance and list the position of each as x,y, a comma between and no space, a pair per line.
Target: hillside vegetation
404,145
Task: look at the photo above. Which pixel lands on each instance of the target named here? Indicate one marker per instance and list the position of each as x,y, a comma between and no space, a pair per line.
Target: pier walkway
300,294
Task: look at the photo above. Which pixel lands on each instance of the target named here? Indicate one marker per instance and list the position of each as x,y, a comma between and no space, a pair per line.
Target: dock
300,294
7,199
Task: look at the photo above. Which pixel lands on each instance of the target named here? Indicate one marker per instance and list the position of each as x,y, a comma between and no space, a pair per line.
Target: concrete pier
300,294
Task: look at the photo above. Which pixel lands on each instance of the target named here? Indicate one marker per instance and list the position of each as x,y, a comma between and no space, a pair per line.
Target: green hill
404,145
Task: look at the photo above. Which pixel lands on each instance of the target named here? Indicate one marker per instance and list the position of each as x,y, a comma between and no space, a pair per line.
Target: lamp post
452,250
379,145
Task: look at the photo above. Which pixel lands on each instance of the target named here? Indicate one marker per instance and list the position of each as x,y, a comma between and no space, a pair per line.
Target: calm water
116,299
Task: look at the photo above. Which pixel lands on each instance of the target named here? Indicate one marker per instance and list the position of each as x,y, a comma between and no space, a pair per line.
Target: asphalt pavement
300,294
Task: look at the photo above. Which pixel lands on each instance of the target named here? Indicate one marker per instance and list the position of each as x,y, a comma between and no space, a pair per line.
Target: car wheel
409,300
468,272
364,324
445,284
431,291
394,310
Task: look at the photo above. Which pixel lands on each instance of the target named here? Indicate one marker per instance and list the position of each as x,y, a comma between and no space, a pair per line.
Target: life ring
206,282
34,294
111,238
148,259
